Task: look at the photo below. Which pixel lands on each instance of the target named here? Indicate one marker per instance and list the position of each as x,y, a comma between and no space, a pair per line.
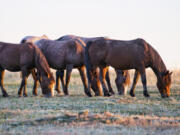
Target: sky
156,21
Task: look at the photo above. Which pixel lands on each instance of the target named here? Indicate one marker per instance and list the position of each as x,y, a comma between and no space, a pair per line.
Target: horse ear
170,73
44,36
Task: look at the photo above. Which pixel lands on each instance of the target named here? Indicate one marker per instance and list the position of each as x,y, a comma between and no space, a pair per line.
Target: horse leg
57,88
102,79
25,87
23,83
83,78
2,83
109,83
135,80
62,78
68,76
96,84
143,78
34,75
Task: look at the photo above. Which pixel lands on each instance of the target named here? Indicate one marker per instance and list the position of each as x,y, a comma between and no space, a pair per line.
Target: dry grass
78,114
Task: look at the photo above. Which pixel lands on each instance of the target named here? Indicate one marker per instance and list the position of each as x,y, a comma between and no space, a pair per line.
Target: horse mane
80,41
157,63
41,62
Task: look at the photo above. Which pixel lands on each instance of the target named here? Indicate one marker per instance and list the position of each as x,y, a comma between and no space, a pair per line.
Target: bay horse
33,39
122,78
24,58
133,54
63,55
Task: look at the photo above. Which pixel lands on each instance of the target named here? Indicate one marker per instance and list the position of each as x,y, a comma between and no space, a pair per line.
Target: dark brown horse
95,83
134,54
122,78
24,58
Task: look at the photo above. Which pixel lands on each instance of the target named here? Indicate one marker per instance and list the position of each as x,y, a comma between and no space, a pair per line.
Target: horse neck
157,64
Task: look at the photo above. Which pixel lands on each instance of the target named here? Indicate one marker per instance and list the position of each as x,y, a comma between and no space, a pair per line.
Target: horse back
127,54
14,56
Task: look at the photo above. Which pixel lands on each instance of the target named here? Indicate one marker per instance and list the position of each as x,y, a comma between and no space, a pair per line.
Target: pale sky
157,21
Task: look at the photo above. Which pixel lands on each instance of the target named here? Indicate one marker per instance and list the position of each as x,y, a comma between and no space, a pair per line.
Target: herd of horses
91,56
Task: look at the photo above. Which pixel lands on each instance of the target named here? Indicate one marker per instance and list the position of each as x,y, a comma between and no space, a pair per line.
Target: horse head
164,83
47,84
122,81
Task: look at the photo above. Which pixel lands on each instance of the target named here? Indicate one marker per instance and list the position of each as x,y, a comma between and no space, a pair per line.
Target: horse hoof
107,95
19,95
112,92
132,94
58,91
5,95
25,95
146,94
88,93
35,94
66,93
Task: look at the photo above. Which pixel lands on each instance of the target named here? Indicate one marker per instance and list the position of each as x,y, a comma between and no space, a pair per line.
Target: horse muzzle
48,95
164,96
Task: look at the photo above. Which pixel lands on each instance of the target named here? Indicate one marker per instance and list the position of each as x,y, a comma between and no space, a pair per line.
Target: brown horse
65,55
24,58
95,83
134,54
122,80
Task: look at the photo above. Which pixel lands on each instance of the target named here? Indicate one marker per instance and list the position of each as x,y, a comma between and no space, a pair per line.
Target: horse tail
88,63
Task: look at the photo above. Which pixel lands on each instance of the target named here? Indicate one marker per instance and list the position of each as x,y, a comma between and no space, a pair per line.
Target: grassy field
80,115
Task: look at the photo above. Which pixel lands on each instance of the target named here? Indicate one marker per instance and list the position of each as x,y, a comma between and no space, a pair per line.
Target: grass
79,114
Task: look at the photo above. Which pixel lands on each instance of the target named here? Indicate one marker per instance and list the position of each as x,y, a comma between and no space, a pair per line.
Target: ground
78,114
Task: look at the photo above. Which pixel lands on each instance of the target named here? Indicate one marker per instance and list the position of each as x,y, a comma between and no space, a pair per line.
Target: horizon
155,21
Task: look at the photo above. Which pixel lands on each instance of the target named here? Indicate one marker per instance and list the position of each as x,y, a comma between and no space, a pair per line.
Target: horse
24,58
65,55
132,54
122,80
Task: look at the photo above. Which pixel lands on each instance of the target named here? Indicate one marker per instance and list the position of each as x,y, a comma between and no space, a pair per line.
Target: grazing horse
24,58
65,55
122,80
33,39
133,54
